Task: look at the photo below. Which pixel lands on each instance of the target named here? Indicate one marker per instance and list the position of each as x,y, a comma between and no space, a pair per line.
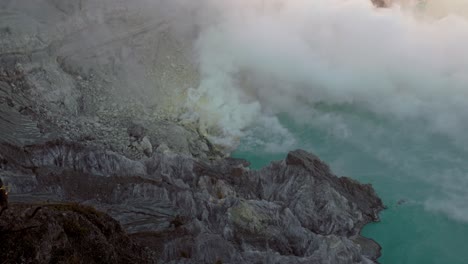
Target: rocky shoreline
101,167
185,210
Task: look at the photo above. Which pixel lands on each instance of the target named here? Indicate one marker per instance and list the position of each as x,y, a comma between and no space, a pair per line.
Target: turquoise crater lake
419,175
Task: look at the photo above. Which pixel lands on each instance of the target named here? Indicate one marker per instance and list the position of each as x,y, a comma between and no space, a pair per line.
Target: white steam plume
259,58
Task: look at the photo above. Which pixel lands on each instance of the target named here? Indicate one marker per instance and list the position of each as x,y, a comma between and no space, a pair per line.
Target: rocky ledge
179,209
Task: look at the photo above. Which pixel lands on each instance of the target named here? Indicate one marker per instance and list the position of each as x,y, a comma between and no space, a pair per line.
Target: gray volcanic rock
86,70
91,97
192,211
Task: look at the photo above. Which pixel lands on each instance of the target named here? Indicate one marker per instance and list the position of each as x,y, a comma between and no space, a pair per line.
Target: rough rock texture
91,101
88,70
65,233
192,211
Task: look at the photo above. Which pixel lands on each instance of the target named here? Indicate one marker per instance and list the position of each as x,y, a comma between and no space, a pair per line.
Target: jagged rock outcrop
192,211
75,78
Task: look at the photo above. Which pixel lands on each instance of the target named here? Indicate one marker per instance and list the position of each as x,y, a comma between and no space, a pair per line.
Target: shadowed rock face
191,211
65,233
3,197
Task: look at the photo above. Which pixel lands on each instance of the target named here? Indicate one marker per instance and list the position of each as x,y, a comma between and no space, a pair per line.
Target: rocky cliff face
90,104
192,211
